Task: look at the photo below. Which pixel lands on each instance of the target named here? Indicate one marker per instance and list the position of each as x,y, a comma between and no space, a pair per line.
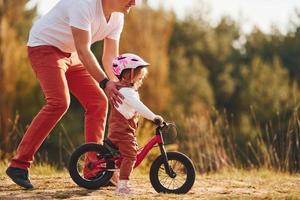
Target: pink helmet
127,61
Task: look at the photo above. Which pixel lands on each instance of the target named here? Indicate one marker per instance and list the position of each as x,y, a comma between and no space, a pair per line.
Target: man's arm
82,40
110,51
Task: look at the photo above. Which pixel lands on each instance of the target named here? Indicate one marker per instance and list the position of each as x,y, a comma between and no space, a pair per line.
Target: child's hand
158,120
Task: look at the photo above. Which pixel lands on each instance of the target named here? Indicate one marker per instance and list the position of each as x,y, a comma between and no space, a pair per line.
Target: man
59,52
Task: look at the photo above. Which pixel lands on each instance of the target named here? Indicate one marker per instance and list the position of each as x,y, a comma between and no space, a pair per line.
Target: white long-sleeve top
132,105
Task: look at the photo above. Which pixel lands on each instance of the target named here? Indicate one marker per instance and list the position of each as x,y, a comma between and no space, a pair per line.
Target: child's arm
133,101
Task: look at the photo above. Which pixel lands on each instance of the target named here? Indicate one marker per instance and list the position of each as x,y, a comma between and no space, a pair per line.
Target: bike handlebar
161,124
158,122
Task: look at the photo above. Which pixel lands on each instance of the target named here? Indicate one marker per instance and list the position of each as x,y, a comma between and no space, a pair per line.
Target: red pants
122,133
59,73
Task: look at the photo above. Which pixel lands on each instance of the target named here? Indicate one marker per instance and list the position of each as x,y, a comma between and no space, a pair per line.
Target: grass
36,170
217,143
226,184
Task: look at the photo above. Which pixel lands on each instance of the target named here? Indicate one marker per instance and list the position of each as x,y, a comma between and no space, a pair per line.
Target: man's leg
94,102
54,86
92,98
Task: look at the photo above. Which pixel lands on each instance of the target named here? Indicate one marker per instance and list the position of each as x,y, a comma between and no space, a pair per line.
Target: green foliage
188,75
208,55
264,87
286,47
190,85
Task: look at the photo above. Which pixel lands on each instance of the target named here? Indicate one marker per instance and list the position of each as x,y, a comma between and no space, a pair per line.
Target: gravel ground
237,185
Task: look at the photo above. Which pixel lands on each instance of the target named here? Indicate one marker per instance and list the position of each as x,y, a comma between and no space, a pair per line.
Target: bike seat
109,143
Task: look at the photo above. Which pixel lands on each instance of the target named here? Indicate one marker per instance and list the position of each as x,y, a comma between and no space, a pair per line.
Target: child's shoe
123,189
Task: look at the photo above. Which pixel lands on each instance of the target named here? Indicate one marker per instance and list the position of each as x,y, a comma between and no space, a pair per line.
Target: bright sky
262,13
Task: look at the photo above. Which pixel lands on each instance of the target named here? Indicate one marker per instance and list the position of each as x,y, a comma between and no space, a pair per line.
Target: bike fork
168,168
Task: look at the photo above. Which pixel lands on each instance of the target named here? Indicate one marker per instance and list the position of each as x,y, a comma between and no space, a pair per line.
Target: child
130,70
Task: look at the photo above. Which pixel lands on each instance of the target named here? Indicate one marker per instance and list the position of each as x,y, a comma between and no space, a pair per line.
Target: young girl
131,70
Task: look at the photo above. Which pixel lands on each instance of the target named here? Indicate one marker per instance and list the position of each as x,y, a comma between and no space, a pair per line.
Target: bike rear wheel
181,165
79,166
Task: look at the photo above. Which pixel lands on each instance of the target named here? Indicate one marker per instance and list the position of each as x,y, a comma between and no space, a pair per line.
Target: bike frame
143,152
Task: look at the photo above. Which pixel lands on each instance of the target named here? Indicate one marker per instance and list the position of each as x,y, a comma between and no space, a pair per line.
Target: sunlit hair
126,73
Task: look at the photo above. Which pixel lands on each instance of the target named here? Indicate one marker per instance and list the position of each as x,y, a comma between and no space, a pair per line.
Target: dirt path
225,186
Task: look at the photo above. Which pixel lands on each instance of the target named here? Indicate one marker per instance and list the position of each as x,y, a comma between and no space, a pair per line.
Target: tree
201,70
147,33
214,51
265,87
15,22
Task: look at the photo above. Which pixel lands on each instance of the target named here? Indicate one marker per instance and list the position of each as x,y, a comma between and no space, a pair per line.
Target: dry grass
216,142
229,184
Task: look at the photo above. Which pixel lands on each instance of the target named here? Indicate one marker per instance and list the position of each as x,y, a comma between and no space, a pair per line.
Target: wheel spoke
170,183
96,160
166,180
180,166
165,177
178,181
174,165
174,181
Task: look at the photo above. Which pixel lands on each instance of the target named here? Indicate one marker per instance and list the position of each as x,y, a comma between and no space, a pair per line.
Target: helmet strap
131,76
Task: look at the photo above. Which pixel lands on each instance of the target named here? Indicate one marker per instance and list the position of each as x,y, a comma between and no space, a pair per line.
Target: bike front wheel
181,182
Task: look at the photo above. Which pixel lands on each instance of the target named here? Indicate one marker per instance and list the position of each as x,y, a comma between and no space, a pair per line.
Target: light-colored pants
58,73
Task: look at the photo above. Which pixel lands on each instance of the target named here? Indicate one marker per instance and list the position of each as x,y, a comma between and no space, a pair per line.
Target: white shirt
132,105
54,28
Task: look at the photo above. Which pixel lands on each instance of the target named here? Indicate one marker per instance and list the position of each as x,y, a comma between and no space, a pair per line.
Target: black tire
96,182
157,169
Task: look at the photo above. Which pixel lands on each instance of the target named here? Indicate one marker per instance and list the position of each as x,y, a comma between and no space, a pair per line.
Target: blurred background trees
17,84
233,96
147,33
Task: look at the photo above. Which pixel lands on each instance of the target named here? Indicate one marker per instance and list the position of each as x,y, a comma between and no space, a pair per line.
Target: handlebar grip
157,122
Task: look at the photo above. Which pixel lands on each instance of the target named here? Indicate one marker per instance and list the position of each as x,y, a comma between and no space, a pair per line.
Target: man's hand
113,94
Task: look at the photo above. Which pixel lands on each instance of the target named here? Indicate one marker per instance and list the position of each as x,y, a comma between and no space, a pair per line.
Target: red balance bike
170,172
